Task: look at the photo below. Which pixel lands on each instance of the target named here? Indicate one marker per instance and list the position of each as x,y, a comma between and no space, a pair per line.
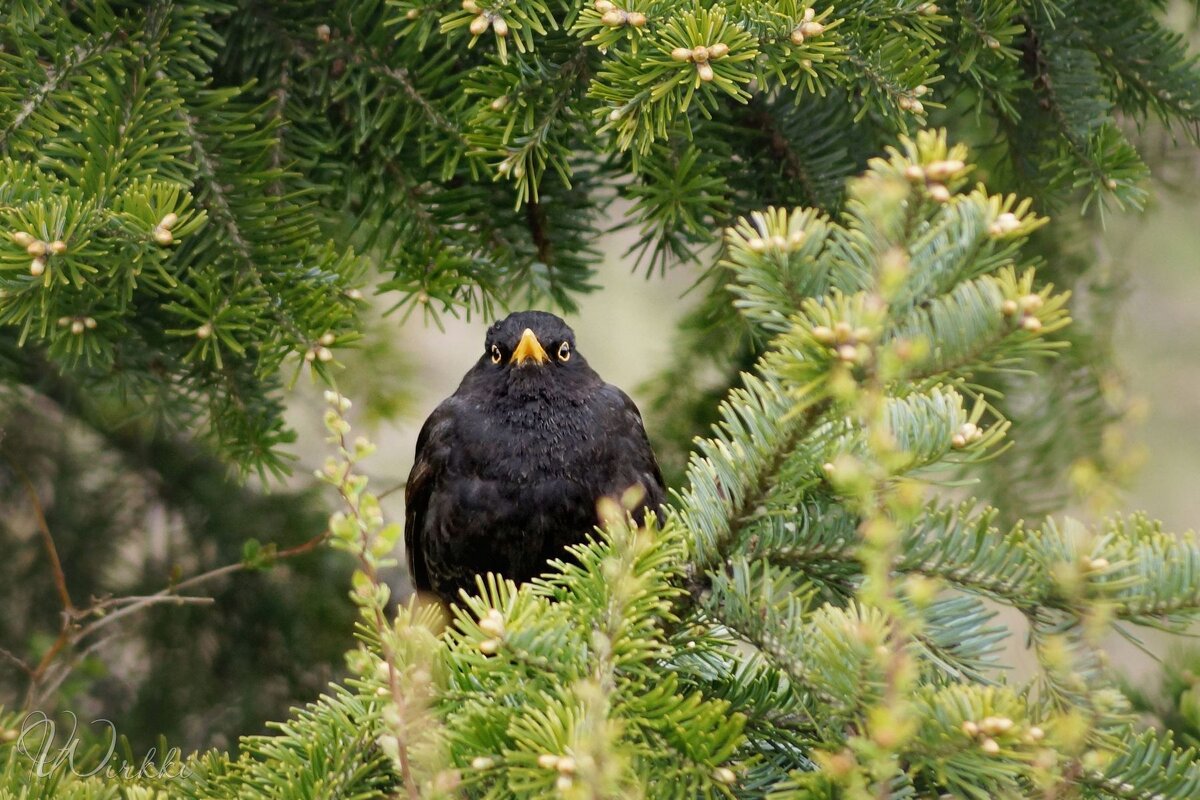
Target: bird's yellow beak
529,349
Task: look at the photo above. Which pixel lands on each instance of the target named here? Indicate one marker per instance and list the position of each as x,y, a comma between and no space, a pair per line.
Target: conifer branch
55,76
400,76
217,203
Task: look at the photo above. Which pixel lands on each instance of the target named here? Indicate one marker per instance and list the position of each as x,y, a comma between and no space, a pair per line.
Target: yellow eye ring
496,357
564,351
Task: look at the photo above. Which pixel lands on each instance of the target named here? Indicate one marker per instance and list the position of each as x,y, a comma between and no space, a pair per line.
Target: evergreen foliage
182,183
810,619
193,194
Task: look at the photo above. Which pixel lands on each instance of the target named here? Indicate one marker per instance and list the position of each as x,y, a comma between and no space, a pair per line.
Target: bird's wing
433,448
636,445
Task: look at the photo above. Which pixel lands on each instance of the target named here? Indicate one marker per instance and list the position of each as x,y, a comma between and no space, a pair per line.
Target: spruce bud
22,238
700,54
718,50
58,247
1030,302
939,193
470,6
169,220
492,623
204,331
479,25
36,248
604,6
941,170
500,26
682,54
705,71
327,338
1005,223
412,13
324,33
77,327
614,18
324,354
812,29
637,19
37,266
797,36
163,236
500,103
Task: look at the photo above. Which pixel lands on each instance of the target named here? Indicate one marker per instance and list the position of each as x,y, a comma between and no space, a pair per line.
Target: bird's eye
564,351
496,357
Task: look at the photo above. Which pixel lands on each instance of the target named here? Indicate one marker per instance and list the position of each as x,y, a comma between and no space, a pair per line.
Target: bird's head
529,341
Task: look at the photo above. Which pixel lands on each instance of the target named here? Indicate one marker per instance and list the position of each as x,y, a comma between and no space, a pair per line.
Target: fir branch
401,77
782,150
55,76
215,200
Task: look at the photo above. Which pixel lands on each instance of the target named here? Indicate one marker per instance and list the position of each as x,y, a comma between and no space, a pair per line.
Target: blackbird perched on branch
510,467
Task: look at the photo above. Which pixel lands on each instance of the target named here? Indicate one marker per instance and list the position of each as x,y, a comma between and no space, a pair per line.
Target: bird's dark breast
522,484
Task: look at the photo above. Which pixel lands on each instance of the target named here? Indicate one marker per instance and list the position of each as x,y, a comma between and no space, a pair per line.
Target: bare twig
399,487
171,593
60,579
71,633
16,660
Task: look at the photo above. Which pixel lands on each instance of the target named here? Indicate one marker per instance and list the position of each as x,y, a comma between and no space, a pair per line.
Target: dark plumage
509,468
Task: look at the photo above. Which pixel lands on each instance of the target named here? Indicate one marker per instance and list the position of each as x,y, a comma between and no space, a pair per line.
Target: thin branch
171,593
401,76
217,204
55,75
60,579
397,488
17,661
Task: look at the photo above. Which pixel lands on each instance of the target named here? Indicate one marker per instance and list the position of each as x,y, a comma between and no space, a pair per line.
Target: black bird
510,467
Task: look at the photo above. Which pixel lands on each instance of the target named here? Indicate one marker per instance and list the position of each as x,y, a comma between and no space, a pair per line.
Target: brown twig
171,593
397,488
16,660
70,633
60,579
